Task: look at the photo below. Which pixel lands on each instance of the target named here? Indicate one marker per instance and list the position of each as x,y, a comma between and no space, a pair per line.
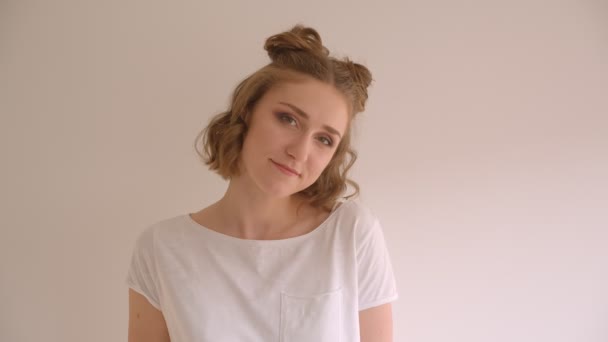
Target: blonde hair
295,54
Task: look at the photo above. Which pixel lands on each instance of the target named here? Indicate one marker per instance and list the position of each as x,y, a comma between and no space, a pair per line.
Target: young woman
283,255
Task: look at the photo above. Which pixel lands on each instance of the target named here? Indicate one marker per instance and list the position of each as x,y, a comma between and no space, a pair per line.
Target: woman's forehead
314,94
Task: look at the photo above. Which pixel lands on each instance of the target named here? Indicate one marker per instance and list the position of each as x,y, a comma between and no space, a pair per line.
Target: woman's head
337,92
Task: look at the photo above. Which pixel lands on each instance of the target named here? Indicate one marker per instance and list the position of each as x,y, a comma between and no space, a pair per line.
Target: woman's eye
326,141
288,119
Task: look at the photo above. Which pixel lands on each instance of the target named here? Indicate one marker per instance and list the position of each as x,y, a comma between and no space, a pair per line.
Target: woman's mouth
285,169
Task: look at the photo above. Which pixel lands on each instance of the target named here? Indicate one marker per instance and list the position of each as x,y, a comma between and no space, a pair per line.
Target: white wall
484,151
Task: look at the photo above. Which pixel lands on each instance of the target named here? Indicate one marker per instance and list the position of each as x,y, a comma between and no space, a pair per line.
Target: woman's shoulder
357,214
363,226
356,208
163,229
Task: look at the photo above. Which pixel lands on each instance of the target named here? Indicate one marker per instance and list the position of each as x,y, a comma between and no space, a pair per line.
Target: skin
261,203
298,125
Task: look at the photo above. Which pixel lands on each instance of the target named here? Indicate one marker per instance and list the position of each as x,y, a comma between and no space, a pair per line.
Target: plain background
483,150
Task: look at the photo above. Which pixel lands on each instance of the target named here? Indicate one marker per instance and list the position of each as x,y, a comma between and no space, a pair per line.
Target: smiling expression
292,135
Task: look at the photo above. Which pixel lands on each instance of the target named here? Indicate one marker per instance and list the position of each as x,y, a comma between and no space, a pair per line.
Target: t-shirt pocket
311,317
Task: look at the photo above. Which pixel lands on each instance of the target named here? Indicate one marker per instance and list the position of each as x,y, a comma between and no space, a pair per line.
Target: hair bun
360,73
298,39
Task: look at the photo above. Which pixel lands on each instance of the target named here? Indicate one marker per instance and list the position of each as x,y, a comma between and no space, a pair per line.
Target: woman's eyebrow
305,116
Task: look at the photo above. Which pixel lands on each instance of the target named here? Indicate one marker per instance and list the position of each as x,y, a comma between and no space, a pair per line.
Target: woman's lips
285,169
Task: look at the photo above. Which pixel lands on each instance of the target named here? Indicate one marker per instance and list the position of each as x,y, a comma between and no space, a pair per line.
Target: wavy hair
295,55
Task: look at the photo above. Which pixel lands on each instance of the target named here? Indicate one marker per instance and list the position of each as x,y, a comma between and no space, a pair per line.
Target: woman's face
293,133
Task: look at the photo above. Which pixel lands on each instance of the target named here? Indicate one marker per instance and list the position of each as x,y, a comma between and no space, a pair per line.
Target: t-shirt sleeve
377,284
142,275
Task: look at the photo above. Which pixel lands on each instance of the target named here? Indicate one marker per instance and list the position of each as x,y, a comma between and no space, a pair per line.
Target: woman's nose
299,148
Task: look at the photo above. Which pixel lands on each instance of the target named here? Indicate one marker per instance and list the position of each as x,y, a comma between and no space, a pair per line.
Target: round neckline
225,237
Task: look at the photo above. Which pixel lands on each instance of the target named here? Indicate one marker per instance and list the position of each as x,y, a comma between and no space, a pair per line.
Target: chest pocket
315,318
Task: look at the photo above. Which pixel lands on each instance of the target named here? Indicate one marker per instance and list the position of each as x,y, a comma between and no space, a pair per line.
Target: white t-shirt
214,287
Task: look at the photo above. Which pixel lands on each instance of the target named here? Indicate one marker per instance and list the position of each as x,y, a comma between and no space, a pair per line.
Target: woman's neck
251,215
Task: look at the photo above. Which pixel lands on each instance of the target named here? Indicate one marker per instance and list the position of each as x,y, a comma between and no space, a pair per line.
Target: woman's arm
376,324
146,323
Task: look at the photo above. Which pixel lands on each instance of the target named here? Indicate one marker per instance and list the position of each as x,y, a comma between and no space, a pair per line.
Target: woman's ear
245,118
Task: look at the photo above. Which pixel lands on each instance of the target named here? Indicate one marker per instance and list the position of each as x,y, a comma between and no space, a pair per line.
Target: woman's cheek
323,164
